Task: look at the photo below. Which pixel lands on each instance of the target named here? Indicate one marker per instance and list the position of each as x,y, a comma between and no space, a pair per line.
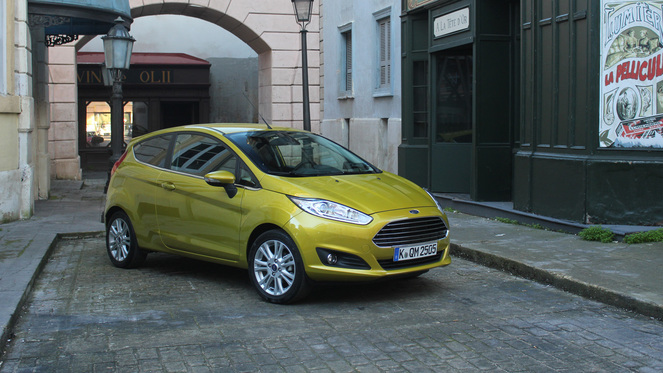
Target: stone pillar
42,163
26,139
63,131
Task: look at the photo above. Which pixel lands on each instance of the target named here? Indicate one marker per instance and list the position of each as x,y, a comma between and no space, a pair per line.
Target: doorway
452,137
179,113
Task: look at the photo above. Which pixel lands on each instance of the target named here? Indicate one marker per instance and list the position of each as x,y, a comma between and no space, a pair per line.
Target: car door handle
168,186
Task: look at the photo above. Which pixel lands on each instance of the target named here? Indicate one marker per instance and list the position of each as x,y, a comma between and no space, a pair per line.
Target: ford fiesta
292,207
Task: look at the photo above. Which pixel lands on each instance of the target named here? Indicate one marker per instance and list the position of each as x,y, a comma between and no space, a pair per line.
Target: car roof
226,128
220,128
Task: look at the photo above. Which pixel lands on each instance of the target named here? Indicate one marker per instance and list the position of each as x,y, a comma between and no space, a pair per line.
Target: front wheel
276,268
121,243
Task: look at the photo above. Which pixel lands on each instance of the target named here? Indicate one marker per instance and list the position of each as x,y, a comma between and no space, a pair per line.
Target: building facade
268,27
27,27
550,105
17,115
361,86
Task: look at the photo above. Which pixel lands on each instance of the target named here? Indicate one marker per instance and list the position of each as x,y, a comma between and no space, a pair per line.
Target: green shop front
556,106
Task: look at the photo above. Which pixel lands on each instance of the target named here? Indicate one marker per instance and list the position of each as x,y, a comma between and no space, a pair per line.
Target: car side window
198,155
153,151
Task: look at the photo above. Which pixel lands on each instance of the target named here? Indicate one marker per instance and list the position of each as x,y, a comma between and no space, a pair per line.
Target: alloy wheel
119,240
274,267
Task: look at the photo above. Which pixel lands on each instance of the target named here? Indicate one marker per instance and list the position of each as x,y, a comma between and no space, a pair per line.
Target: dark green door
451,148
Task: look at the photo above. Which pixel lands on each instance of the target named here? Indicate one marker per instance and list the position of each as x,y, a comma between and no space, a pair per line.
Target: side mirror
223,179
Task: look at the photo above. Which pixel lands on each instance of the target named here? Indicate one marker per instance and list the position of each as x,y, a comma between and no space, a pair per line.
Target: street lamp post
118,45
303,14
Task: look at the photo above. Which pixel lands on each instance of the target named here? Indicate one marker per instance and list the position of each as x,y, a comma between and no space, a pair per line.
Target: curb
7,331
568,284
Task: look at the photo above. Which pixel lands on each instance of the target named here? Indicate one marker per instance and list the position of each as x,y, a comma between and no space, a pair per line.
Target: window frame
386,89
346,34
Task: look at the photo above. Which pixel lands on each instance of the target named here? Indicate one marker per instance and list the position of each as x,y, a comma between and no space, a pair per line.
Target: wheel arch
262,228
112,211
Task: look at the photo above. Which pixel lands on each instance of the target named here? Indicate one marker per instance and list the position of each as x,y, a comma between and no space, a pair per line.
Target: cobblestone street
181,315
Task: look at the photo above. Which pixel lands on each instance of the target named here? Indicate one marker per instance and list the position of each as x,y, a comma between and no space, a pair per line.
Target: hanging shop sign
452,22
632,74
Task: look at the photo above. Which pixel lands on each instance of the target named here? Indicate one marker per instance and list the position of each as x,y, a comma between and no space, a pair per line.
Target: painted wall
366,121
234,90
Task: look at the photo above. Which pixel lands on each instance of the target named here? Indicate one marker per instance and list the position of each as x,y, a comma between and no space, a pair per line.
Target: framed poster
631,114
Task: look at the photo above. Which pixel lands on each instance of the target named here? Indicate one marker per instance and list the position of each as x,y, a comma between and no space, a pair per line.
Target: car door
193,216
140,180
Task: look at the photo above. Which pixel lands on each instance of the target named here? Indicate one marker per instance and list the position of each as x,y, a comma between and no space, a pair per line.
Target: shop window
346,61
384,45
454,96
98,124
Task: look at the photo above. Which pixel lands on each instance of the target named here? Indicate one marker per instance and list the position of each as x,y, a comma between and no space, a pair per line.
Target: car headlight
331,210
439,207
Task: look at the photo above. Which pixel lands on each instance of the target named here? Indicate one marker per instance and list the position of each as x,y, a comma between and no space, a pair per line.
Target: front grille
411,232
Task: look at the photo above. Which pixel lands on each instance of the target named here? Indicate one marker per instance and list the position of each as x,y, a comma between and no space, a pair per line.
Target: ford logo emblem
414,212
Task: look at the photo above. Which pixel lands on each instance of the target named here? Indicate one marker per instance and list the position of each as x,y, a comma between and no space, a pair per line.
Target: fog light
332,259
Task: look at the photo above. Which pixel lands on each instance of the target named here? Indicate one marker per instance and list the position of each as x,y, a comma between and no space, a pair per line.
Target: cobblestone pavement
180,315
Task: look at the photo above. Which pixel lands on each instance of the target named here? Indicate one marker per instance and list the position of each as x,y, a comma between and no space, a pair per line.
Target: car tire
121,244
276,268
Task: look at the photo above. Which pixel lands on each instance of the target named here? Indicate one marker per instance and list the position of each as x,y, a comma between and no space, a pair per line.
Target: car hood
368,193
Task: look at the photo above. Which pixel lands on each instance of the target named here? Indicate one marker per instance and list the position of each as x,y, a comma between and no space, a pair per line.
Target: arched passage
267,26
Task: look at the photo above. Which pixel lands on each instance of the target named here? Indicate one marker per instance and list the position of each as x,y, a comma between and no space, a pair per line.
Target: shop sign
631,107
452,22
150,76
412,4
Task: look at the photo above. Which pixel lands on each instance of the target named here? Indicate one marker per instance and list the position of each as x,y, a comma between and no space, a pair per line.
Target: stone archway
267,26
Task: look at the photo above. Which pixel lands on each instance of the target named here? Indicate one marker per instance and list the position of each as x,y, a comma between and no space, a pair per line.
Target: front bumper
314,235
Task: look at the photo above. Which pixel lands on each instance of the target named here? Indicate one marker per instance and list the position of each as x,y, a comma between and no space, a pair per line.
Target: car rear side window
198,155
153,151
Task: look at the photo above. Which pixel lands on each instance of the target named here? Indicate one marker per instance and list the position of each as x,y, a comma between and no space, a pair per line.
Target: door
193,216
179,113
451,148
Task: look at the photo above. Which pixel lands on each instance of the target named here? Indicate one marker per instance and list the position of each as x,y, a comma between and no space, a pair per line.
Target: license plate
415,252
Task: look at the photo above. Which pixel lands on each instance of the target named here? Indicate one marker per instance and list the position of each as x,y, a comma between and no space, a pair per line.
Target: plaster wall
234,90
368,120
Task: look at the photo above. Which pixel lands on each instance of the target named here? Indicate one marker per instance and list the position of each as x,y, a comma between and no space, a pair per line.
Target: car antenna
254,108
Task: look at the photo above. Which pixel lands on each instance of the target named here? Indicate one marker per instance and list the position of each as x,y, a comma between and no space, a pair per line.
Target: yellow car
292,207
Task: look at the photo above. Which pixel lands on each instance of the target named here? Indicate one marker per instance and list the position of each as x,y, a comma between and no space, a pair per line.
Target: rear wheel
276,268
121,243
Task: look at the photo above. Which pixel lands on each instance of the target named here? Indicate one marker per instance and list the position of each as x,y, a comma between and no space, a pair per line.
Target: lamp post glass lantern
303,12
118,45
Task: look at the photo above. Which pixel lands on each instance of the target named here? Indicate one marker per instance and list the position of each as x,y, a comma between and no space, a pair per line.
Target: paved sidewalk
74,209
628,276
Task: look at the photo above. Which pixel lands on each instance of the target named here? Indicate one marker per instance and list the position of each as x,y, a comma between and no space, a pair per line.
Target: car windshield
288,153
